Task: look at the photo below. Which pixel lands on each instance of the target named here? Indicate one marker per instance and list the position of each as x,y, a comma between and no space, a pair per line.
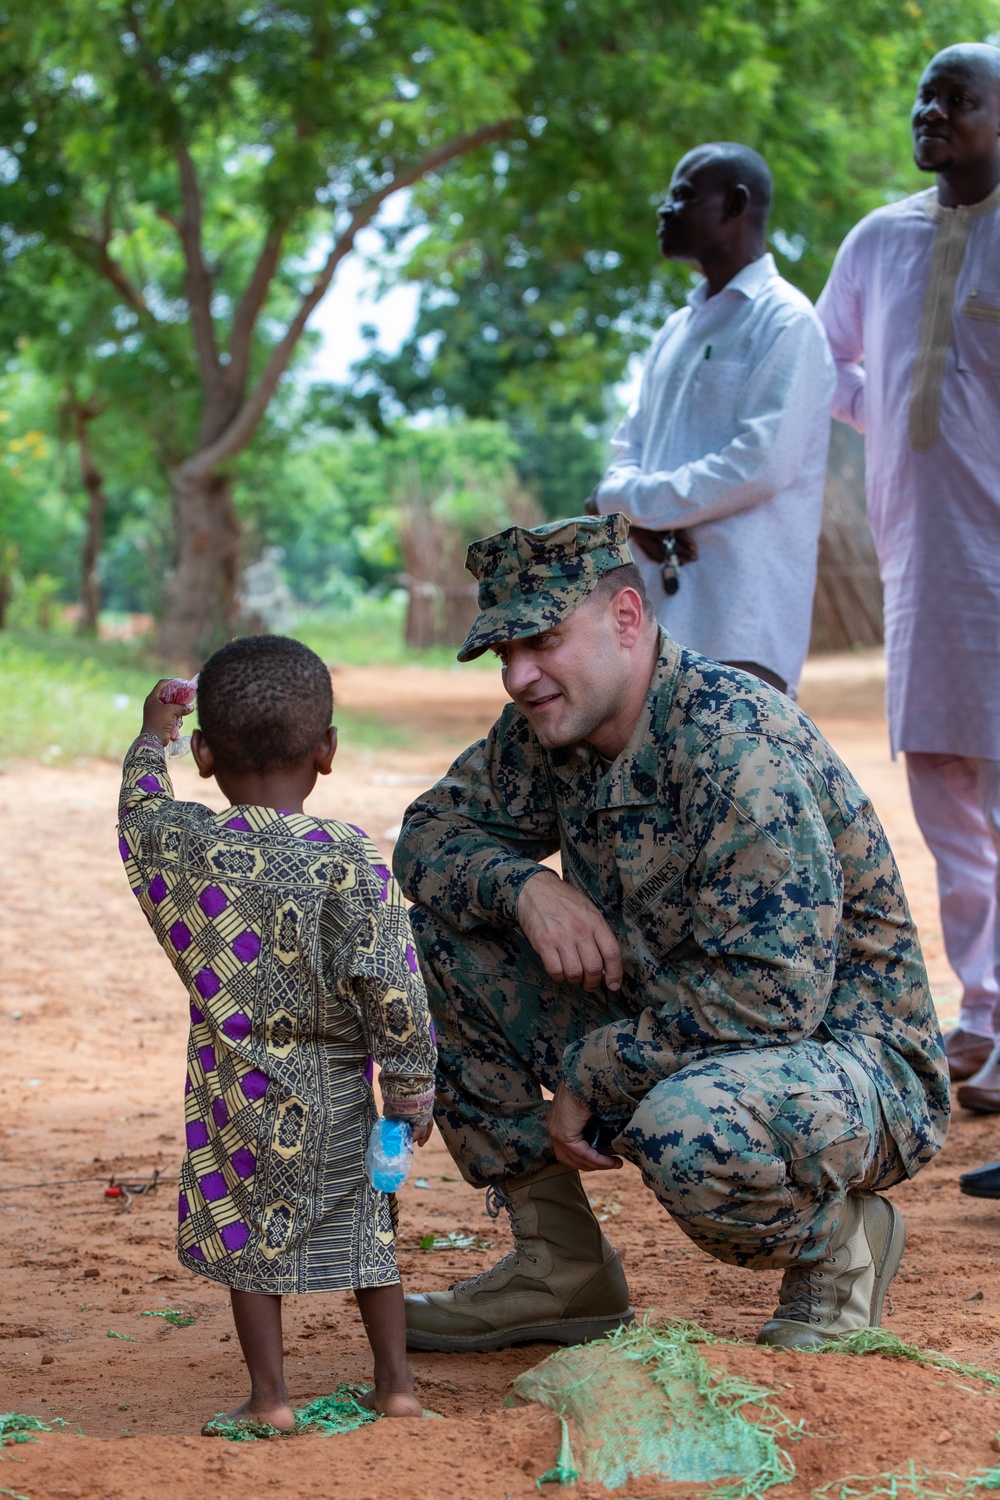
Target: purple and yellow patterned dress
294,944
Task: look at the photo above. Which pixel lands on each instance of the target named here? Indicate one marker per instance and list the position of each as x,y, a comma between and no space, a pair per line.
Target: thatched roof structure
847,610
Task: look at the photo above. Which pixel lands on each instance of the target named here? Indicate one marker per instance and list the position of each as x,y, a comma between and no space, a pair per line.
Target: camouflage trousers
750,1151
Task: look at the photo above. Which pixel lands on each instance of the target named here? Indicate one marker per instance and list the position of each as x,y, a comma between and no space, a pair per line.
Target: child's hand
422,1133
163,719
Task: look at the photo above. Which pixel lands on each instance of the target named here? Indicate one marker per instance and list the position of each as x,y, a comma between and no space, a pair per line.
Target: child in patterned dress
292,939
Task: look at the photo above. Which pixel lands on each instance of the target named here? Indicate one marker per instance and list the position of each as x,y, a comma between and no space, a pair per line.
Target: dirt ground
92,1030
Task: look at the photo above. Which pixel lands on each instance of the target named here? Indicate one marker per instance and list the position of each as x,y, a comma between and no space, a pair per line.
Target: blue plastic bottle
390,1151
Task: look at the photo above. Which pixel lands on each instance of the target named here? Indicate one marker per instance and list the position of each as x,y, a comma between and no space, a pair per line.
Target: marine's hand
565,1121
568,933
422,1133
163,719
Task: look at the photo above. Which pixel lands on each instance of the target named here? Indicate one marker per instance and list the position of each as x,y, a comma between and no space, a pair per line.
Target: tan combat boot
562,1283
845,1290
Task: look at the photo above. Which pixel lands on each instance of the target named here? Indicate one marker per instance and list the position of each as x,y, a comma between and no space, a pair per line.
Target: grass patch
65,698
370,633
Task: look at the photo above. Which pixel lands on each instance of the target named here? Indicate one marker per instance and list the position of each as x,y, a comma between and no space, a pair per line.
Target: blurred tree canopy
182,178
540,273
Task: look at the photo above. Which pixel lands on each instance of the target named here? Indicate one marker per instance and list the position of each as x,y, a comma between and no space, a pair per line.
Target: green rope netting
915,1484
15,1427
341,1412
646,1405
881,1341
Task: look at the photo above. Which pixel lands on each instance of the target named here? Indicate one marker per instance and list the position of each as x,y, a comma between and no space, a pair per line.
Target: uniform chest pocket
656,908
977,333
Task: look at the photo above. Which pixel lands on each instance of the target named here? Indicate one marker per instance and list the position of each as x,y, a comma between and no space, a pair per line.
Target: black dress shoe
984,1182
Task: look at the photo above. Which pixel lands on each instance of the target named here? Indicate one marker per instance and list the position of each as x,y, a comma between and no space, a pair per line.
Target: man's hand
422,1133
565,1121
163,719
568,933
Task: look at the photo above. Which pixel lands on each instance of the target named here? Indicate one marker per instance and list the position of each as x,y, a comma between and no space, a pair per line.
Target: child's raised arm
144,772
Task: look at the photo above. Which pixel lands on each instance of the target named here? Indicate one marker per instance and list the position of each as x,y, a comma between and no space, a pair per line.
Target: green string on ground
15,1427
881,1341
563,1472
646,1405
328,1415
915,1484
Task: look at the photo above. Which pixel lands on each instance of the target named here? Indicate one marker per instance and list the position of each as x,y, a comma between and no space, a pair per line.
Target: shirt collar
749,282
937,211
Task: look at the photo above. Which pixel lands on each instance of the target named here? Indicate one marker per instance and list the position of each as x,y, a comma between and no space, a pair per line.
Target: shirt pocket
977,333
719,384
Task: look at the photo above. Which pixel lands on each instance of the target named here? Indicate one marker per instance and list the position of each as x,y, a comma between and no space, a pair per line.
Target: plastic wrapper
389,1154
183,691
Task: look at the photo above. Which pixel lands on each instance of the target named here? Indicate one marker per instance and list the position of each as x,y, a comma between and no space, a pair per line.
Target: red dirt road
92,1027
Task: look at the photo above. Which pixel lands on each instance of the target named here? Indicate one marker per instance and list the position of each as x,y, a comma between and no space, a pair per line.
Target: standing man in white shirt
912,309
727,441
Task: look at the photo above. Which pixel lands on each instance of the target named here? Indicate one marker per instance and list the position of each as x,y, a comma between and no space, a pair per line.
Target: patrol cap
531,579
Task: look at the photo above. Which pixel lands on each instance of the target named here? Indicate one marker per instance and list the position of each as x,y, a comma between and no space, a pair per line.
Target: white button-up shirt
915,294
729,437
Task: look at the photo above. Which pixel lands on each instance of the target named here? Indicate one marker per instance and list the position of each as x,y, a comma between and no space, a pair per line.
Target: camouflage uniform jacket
742,869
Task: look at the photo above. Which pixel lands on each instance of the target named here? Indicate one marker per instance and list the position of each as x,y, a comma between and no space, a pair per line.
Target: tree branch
197,278
196,274
239,431
94,253
249,306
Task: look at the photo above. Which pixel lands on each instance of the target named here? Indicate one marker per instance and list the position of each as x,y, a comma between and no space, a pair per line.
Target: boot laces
496,1200
801,1294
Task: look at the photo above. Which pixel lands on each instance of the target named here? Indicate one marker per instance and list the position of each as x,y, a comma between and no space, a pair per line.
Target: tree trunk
200,611
97,500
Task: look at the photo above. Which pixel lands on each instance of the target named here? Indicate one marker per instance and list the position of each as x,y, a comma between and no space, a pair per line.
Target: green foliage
540,273
336,504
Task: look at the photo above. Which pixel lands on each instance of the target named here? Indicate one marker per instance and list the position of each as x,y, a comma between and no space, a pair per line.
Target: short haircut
733,165
981,59
263,701
627,576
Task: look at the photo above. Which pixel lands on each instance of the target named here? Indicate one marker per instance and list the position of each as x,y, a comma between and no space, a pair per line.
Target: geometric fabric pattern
293,942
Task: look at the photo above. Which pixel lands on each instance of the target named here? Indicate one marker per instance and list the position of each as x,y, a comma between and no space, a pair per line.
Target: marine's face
568,682
955,117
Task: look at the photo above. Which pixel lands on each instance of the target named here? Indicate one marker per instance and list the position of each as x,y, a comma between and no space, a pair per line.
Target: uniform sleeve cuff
591,1074
501,884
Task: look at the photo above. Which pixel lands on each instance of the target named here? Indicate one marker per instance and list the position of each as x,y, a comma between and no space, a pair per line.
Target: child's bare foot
278,1414
391,1403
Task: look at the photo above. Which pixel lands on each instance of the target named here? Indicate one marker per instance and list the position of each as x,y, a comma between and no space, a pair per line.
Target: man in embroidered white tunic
912,310
727,442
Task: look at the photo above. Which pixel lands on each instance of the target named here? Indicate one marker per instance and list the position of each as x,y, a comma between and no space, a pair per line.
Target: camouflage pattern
758,906
750,1151
531,579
